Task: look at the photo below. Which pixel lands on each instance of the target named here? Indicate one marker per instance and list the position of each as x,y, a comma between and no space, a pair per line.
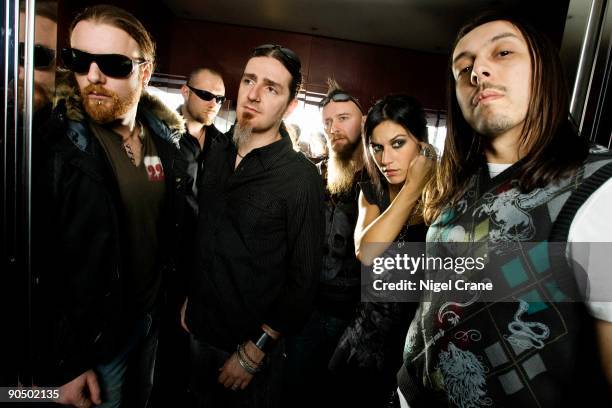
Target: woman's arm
380,230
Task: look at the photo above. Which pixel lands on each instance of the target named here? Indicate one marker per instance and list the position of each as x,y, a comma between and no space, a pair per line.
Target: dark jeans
308,381
264,390
172,365
127,379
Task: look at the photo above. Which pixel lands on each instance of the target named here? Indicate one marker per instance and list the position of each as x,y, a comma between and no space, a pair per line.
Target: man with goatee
258,243
115,178
339,278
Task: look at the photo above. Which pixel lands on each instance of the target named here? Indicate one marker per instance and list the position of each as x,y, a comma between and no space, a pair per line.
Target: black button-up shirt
193,153
259,242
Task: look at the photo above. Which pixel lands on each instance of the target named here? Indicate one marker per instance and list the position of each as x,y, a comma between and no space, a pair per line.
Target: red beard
108,110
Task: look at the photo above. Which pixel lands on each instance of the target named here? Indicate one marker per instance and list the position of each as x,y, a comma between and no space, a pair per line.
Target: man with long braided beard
339,279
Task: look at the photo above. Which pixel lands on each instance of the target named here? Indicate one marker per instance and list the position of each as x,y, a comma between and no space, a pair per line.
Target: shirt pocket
261,218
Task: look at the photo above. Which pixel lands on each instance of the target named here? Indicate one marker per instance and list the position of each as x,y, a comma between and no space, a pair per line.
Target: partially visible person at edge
400,163
258,246
15,366
308,353
115,181
45,54
514,170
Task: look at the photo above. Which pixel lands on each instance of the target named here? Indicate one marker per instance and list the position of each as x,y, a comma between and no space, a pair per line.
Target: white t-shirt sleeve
402,399
592,224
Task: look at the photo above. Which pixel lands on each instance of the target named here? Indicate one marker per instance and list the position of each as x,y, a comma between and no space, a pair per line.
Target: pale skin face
263,96
342,124
492,70
45,33
96,38
393,148
197,109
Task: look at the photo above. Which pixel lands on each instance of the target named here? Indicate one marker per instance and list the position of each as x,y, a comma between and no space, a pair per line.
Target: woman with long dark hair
399,162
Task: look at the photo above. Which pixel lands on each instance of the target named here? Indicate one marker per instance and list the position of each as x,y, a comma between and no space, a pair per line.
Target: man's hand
81,392
233,375
183,309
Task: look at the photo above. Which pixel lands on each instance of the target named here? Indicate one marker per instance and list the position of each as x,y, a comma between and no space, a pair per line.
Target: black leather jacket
77,238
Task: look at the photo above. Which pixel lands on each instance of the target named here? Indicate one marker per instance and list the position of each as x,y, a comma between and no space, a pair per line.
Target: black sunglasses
207,96
339,97
113,65
43,56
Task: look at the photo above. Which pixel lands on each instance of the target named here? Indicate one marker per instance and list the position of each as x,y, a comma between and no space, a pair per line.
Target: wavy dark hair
550,140
404,110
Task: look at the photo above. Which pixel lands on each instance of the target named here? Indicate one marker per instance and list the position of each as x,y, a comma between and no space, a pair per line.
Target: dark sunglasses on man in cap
43,56
112,65
207,96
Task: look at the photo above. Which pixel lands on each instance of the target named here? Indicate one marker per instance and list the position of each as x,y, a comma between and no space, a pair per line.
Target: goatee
108,110
200,117
242,133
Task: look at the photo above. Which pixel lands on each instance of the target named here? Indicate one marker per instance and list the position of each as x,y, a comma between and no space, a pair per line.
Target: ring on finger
428,151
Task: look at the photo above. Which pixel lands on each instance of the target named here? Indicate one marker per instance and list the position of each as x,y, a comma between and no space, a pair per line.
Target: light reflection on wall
307,115
437,136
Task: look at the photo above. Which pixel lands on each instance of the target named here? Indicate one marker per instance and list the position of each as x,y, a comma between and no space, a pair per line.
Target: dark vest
532,348
340,276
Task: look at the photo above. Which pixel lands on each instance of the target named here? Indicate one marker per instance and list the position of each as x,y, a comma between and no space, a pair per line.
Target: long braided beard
340,173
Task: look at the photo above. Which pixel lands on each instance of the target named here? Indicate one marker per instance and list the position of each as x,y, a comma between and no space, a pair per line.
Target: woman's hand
421,168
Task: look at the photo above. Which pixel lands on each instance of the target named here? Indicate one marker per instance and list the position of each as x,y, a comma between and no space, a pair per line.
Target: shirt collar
269,154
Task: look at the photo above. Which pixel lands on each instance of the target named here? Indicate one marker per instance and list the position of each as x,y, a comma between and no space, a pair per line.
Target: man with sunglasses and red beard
258,243
115,181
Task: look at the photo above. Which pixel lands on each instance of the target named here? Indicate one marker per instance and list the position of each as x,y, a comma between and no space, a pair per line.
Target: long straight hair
552,145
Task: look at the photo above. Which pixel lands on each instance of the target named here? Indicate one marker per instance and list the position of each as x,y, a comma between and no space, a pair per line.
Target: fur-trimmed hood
150,106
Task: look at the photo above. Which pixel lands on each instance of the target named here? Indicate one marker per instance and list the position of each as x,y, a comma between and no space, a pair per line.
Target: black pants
264,390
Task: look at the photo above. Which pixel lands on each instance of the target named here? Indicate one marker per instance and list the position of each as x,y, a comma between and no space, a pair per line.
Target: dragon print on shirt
526,334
